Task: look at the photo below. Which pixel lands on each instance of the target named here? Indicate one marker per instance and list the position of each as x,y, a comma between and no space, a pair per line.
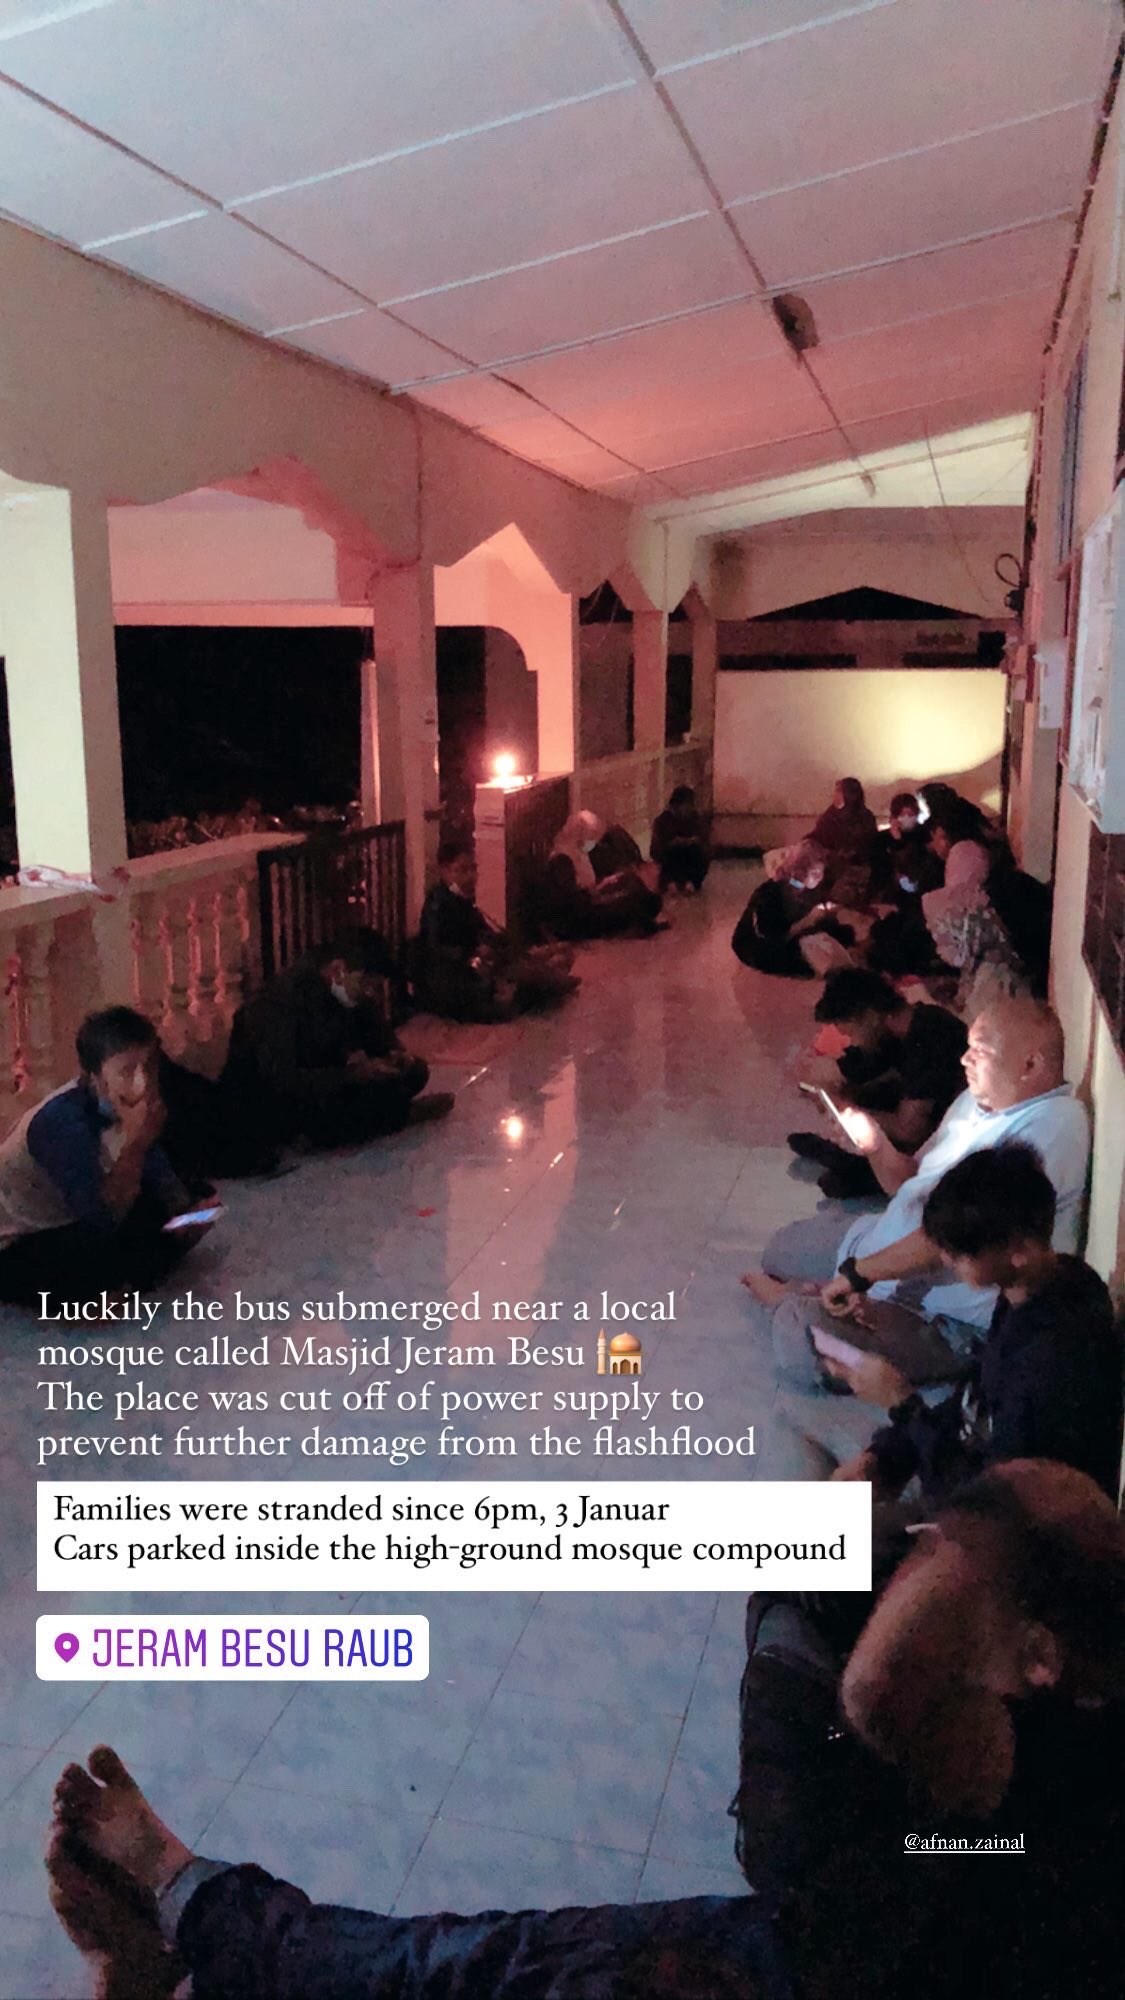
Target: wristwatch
849,1271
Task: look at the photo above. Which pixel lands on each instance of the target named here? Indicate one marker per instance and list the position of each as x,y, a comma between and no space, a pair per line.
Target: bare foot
767,1291
110,1815
110,1923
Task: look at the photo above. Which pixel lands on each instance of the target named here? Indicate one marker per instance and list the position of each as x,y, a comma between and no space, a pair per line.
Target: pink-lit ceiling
559,221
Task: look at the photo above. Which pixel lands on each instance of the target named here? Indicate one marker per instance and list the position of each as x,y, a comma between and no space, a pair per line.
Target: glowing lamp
512,1128
504,765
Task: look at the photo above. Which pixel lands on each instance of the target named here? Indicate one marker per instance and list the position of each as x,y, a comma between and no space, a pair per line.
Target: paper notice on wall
1050,661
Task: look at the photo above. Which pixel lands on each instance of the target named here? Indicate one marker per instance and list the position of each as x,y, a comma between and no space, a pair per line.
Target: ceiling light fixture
794,316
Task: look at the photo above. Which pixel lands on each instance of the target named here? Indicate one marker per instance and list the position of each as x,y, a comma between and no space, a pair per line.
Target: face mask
340,992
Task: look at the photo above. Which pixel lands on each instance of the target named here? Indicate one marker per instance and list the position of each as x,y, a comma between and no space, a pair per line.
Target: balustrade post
206,959
175,931
234,941
147,953
37,1036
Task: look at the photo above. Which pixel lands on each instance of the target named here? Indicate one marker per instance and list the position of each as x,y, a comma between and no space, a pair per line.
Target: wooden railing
330,883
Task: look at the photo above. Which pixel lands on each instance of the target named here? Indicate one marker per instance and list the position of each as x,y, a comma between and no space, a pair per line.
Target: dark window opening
220,723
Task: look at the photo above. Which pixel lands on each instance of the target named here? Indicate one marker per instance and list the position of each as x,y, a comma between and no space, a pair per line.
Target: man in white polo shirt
1014,1071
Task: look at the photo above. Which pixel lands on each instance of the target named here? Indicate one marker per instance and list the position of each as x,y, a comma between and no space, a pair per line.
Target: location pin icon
66,1646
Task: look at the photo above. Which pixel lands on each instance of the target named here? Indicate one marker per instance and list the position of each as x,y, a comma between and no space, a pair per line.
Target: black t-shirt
924,1063
1046,1383
451,922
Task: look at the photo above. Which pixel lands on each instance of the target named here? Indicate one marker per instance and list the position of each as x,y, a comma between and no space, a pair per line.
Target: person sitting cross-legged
86,1189
572,900
896,860
902,1065
313,1057
1045,1382
982,1702
465,967
679,843
789,906
923,1321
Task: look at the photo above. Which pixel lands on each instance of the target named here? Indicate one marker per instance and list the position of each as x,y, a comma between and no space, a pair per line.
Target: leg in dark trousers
684,866
80,1260
363,1110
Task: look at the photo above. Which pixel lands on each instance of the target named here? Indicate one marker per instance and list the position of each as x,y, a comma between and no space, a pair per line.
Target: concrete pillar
56,607
553,654
650,679
402,693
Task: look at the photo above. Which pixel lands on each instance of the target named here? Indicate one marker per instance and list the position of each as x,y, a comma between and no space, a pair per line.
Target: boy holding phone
1046,1381
86,1190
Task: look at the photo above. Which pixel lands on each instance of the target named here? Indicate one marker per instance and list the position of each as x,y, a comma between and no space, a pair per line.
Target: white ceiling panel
509,196
890,293
763,461
373,344
992,335
479,402
420,189
231,271
869,85
17,17
63,180
657,367
784,454
547,441
914,399
986,464
636,489
682,31
571,298
942,195
761,403
967,472
241,95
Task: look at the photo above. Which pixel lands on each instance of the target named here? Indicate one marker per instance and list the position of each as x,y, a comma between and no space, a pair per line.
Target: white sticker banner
240,1646
245,1535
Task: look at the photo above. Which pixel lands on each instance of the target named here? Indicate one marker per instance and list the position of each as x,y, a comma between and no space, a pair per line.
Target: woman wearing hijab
574,904
848,830
967,933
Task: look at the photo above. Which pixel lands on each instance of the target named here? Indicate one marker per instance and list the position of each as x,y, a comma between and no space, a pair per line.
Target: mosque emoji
624,1352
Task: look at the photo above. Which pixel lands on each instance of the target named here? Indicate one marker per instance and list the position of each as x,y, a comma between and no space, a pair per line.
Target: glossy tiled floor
566,1748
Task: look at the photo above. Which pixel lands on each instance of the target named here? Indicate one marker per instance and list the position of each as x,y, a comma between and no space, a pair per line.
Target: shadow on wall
783,738
979,782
